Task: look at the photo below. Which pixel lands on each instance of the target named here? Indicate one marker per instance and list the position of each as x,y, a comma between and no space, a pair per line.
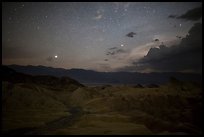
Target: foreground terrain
32,108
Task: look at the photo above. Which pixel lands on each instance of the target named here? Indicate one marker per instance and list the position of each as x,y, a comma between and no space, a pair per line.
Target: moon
121,45
56,56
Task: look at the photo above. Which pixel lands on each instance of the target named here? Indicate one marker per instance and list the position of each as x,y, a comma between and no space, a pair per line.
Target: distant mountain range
10,75
93,77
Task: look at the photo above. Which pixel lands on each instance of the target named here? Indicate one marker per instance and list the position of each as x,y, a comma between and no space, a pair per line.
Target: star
64,27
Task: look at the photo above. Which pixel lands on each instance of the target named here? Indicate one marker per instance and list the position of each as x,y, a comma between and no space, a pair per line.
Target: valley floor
170,109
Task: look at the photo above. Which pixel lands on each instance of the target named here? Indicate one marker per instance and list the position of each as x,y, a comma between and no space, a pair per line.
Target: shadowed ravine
76,113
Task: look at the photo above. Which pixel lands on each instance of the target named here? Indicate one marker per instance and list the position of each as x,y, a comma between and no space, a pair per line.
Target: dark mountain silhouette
13,76
89,76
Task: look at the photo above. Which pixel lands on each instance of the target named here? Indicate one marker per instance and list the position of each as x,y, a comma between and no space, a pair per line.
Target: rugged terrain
93,77
33,105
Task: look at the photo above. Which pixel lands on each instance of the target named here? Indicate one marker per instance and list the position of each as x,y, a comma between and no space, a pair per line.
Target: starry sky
101,36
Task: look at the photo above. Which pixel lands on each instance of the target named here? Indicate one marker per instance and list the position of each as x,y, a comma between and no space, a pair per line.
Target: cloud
131,34
186,56
115,50
98,17
120,51
99,14
179,37
193,14
140,51
172,16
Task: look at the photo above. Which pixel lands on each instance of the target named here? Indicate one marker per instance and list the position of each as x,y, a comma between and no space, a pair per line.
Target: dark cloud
121,51
179,37
110,53
115,50
193,14
112,48
131,34
172,16
187,56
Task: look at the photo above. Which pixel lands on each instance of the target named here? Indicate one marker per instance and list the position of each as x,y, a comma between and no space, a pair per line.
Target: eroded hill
57,106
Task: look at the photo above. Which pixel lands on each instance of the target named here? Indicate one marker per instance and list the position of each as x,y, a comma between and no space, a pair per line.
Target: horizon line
103,71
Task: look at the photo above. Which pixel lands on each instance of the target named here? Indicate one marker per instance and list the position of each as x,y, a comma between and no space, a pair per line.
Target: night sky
104,36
